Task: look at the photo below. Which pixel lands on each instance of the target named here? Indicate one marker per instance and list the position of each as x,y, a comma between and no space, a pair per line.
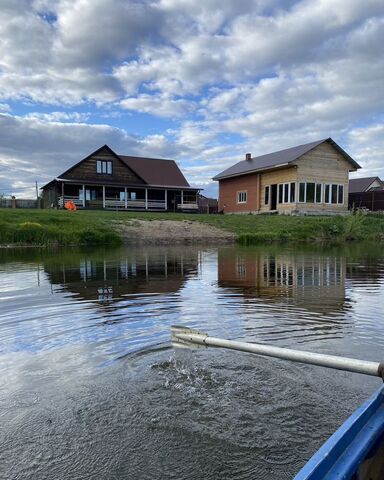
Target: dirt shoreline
172,232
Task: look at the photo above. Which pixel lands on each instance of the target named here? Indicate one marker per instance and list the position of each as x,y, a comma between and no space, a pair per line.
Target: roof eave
93,182
257,170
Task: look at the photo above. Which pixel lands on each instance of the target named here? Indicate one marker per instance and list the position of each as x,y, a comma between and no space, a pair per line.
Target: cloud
160,105
255,75
366,145
39,148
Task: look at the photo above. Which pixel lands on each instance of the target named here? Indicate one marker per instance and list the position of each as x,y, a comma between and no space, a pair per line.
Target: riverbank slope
52,227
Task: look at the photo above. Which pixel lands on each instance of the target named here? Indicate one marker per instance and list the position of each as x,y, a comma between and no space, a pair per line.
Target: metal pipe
183,336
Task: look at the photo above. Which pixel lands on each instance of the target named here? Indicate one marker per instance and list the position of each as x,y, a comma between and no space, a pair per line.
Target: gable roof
155,172
357,185
278,159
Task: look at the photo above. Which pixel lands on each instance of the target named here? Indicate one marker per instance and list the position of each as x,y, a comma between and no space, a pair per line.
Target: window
292,195
266,196
334,193
241,197
310,193
326,195
281,193
133,195
286,192
340,198
104,167
302,192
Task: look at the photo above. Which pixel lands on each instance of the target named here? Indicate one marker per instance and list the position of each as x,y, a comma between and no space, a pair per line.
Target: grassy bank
46,227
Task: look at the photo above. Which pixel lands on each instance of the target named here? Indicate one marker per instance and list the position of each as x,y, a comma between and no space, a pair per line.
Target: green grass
45,228
48,227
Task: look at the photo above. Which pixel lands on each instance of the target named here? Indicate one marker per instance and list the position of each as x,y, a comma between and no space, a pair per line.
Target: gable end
86,169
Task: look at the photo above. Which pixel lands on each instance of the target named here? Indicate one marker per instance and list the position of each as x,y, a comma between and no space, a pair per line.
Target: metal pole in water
187,337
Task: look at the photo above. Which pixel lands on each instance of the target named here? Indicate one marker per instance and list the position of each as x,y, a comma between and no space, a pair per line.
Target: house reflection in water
106,278
313,281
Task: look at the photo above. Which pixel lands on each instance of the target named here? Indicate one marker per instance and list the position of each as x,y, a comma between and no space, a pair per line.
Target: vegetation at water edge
57,227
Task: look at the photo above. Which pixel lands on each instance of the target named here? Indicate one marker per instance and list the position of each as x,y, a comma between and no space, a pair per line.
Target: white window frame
322,193
284,185
241,194
269,195
328,200
104,167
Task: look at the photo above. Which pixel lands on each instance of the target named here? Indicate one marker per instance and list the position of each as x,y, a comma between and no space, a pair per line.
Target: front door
273,203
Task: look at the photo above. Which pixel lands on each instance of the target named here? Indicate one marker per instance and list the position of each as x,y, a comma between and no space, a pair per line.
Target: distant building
366,184
207,205
106,180
311,178
366,193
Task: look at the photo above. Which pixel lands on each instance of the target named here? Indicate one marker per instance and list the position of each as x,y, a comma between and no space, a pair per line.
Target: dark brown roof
357,185
277,159
156,171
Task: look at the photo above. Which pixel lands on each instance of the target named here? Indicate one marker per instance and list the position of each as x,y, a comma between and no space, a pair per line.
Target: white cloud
60,116
255,75
366,145
159,105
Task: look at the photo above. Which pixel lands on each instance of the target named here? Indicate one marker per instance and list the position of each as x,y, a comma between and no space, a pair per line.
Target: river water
91,388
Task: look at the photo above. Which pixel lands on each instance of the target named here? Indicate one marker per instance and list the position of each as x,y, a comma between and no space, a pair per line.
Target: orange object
70,206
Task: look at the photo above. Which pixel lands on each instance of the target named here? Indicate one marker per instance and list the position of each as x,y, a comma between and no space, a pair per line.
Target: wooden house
307,179
105,180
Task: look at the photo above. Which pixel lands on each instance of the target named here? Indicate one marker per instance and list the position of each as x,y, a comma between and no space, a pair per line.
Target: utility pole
37,196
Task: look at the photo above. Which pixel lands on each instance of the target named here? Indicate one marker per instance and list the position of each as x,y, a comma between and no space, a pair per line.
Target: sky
201,82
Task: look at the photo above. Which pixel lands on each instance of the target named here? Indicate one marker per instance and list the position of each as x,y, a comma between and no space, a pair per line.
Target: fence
373,201
19,203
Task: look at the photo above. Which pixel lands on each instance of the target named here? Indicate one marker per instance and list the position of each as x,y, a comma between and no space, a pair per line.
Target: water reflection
315,282
106,277
90,388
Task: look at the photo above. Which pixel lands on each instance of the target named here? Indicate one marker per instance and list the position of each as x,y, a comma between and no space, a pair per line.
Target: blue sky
199,82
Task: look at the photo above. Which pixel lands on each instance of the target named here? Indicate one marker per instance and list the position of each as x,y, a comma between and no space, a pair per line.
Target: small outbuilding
307,179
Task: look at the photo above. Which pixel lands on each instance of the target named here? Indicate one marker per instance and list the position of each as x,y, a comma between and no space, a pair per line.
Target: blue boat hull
356,450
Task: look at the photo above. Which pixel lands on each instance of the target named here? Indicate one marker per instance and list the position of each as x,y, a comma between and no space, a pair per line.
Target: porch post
125,198
62,194
146,198
165,200
182,197
83,196
103,196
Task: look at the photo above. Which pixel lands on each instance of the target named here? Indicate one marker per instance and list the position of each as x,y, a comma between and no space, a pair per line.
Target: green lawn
52,227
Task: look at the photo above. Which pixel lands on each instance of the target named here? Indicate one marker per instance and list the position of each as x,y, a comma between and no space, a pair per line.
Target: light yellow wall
324,164
284,175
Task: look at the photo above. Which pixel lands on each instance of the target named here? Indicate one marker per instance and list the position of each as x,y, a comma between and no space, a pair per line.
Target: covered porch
127,198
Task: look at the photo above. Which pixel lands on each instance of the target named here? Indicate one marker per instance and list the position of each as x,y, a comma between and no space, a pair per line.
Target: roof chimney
248,156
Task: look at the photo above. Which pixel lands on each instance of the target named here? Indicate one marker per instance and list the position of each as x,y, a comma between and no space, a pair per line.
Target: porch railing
117,204
75,199
188,206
